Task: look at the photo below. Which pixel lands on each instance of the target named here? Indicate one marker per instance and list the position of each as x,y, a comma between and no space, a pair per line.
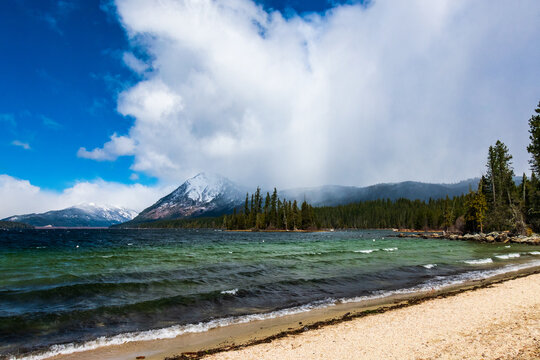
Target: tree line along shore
498,204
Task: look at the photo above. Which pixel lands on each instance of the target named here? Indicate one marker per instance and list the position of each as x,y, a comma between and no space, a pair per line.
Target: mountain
213,195
332,195
83,215
202,195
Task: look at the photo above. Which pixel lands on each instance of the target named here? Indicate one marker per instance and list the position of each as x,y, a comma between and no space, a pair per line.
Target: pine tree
499,180
274,209
476,207
246,205
534,147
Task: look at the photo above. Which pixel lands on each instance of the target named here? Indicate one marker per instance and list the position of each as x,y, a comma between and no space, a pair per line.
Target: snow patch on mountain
203,194
81,215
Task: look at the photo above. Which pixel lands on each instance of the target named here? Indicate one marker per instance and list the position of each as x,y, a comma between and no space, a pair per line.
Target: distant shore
423,324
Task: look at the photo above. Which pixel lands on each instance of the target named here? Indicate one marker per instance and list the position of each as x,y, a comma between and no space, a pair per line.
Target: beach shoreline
222,340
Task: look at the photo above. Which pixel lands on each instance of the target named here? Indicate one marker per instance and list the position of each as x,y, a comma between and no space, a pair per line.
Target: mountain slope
83,215
202,195
214,195
332,195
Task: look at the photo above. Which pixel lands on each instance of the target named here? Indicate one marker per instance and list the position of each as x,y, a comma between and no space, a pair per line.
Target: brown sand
498,322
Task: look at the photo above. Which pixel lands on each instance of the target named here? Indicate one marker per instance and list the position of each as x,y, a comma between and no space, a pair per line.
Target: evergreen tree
476,207
534,147
499,181
274,209
246,205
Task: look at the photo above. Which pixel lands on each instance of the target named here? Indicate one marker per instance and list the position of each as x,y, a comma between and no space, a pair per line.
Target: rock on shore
502,237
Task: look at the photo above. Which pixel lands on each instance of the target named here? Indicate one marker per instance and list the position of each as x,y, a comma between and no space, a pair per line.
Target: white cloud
395,91
117,146
21,197
18,143
134,63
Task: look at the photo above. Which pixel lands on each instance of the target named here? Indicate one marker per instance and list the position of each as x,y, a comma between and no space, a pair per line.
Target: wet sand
489,319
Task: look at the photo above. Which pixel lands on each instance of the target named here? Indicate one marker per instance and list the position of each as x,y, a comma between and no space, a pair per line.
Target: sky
118,102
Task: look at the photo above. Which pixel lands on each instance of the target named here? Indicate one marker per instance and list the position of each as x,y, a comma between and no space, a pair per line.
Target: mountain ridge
206,195
81,215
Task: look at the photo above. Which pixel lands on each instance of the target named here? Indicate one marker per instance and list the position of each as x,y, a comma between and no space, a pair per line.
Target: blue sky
132,97
62,71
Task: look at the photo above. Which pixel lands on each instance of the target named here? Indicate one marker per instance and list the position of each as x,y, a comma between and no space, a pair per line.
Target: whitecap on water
508,256
478,261
429,266
171,332
391,249
230,292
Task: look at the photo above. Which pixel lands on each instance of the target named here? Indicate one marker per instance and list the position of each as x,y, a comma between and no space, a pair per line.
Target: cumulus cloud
21,144
21,197
117,146
358,95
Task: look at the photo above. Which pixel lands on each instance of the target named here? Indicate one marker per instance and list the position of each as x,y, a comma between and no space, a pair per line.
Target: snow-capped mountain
202,195
82,215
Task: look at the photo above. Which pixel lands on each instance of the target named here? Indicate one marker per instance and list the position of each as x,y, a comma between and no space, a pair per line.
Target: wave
176,330
441,282
479,261
170,332
508,256
534,252
429,266
229,292
391,249
365,251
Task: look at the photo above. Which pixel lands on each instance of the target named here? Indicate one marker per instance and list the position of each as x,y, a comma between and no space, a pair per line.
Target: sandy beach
497,318
498,322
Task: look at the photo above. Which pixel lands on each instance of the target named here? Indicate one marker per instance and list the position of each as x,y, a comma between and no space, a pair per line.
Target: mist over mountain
82,215
207,195
332,195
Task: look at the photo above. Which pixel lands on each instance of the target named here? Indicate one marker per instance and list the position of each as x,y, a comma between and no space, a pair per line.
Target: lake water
68,290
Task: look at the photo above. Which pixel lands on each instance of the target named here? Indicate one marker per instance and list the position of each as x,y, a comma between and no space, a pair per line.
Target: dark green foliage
275,214
380,214
499,188
498,204
13,225
534,146
475,209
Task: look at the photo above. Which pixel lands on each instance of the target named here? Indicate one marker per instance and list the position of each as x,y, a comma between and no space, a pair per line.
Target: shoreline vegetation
499,204
13,225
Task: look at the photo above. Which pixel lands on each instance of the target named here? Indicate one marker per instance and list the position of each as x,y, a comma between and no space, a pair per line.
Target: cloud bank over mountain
358,95
21,197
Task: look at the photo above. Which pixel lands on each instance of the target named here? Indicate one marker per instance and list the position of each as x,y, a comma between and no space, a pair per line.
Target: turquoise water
71,287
